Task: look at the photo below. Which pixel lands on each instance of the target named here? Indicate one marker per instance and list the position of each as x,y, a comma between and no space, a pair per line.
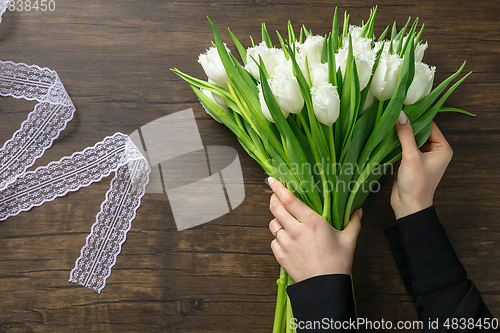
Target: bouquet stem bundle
319,113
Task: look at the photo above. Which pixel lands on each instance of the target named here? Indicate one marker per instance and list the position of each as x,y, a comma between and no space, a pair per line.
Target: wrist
405,209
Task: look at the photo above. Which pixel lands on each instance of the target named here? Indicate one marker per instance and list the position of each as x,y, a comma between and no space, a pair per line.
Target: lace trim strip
21,190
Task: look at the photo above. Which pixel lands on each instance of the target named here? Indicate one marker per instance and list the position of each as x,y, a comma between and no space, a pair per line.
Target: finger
274,225
279,233
354,225
290,202
278,252
280,213
437,141
436,135
406,137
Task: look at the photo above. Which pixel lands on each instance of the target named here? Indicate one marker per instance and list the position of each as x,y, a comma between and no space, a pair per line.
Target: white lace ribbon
21,190
4,4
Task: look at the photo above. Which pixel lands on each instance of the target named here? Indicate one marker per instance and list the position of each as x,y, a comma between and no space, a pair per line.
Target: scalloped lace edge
118,161
103,204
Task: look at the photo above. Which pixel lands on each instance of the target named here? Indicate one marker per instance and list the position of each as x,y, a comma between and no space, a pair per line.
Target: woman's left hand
305,245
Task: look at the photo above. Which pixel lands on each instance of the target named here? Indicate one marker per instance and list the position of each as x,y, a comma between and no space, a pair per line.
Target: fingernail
270,181
360,213
403,119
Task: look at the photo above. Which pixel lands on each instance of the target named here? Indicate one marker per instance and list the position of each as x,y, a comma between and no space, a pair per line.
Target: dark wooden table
114,58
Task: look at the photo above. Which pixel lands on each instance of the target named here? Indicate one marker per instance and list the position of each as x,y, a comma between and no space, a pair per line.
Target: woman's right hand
420,170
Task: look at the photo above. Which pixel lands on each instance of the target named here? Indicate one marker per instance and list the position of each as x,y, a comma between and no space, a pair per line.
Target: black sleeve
323,303
433,274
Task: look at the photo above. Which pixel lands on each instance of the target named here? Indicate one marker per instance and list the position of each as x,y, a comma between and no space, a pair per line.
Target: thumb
354,225
406,136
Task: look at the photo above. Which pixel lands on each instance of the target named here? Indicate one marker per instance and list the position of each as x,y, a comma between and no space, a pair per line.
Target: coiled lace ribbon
21,190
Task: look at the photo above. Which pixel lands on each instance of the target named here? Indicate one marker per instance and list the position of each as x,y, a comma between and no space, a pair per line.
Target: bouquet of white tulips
319,113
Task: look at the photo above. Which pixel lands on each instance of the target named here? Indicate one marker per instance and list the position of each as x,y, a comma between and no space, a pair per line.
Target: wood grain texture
114,57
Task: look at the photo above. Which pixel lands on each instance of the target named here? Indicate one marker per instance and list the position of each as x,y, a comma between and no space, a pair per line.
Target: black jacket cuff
424,255
325,296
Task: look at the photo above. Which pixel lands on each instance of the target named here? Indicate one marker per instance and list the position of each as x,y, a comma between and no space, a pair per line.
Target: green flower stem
354,297
280,302
283,320
333,206
256,149
238,121
289,312
306,128
243,110
374,162
326,193
335,214
333,155
262,156
259,156
289,316
285,146
263,160
327,203
362,177
379,111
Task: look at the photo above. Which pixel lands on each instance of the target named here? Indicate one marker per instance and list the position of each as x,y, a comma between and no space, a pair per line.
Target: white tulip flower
364,64
319,74
303,68
286,89
265,109
326,103
419,48
213,67
265,53
213,98
312,48
385,78
364,55
419,51
284,69
359,44
421,85
355,31
279,58
378,45
281,63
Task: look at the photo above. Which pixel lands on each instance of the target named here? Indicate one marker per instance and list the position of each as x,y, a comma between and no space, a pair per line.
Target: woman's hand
420,171
305,245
